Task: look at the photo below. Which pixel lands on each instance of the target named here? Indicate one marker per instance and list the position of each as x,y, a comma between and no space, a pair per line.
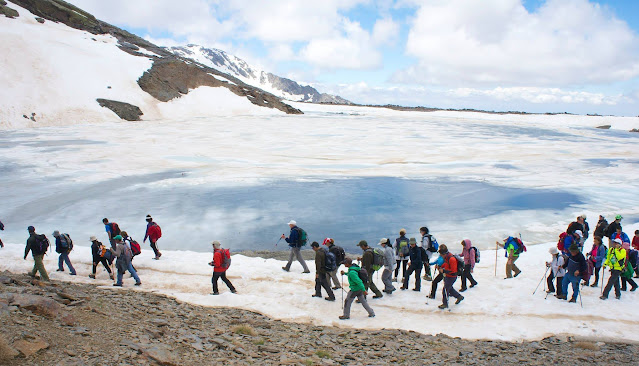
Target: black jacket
611,229
415,254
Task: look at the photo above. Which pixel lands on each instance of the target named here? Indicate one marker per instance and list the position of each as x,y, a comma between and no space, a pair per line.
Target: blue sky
574,56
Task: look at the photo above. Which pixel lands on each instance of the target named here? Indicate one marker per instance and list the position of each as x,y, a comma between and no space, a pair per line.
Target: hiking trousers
154,246
433,286
510,267
467,276
448,290
38,266
625,280
221,275
332,275
322,281
418,278
404,264
570,278
371,284
551,287
387,279
129,267
597,269
613,281
64,258
296,253
104,262
362,299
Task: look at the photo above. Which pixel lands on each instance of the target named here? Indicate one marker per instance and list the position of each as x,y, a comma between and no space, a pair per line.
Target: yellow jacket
616,259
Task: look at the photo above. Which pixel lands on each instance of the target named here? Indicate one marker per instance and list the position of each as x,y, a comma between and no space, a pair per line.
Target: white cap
578,232
292,222
553,250
93,238
383,241
618,241
216,243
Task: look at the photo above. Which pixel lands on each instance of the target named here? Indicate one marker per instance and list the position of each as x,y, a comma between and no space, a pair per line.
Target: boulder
124,110
30,347
604,127
36,304
6,351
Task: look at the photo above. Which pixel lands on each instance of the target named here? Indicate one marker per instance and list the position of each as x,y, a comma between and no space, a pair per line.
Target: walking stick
581,303
274,247
603,274
543,278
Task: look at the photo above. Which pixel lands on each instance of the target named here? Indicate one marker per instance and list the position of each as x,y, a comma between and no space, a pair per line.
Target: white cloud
498,42
538,95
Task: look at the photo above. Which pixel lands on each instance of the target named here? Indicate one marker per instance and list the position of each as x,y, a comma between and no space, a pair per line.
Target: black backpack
330,263
66,242
115,229
363,275
1,226
339,254
41,245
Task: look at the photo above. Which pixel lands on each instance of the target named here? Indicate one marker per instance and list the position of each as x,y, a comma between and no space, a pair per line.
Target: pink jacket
468,254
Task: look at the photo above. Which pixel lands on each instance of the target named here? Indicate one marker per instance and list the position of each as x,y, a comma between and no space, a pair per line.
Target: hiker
512,252
449,269
401,253
612,229
38,245
586,230
574,226
440,276
356,289
389,265
430,245
576,268
2,229
635,246
367,264
153,232
339,254
221,263
629,270
321,278
616,261
619,234
112,229
557,271
98,251
123,261
468,253
579,240
63,246
295,242
596,256
415,265
600,229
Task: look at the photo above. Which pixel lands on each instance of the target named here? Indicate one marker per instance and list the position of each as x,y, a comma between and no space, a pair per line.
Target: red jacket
218,261
153,232
635,242
450,266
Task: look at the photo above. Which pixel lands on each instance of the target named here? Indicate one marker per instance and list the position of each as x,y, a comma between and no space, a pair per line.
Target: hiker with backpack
100,255
123,261
439,278
450,270
600,229
221,263
469,253
295,240
63,246
1,229
513,247
629,269
38,245
324,262
612,229
356,289
389,265
616,261
153,233
415,265
371,262
557,271
339,254
430,245
576,268
401,253
112,229
619,234
596,256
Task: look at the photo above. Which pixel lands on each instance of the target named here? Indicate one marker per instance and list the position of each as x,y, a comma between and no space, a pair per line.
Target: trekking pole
342,292
603,274
496,250
278,242
581,288
543,278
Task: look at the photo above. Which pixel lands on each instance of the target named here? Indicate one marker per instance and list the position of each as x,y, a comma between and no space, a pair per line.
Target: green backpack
302,237
378,259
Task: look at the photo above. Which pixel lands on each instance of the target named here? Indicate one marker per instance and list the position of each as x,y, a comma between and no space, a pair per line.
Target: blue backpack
434,245
330,262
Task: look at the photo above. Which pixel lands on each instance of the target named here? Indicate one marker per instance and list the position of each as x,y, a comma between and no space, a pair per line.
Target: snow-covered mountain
276,85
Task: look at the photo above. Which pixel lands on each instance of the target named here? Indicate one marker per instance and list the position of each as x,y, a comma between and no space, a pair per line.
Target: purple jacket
468,254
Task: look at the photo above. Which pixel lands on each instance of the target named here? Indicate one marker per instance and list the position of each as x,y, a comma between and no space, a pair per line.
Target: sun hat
93,238
383,241
292,222
553,250
56,233
412,241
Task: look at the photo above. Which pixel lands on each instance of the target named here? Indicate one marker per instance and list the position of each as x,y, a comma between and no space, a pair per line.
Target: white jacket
557,265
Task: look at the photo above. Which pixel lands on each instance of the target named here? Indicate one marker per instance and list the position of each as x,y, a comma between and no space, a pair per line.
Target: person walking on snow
219,268
1,229
96,250
557,271
153,233
294,241
63,246
123,262
612,229
449,269
389,265
510,245
338,252
629,269
438,263
616,261
367,264
596,256
321,278
576,267
401,253
600,229
415,265
469,264
112,229
356,290
427,244
38,249
619,234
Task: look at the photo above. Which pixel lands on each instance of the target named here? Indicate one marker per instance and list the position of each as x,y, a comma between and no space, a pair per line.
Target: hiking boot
111,276
416,289
343,317
473,285
316,295
59,270
336,288
462,289
594,285
603,297
572,299
233,291
329,298
460,299
633,289
561,297
394,279
378,296
517,274
306,271
403,288
431,296
92,276
117,284
138,283
549,292
442,306
623,289
215,293
159,255
618,297
371,315
429,278
286,269
72,274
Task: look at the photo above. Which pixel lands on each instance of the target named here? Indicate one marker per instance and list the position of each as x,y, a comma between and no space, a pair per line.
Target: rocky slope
279,86
66,324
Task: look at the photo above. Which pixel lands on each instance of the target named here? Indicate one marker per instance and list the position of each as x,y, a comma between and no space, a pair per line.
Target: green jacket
320,261
30,243
367,261
354,282
616,259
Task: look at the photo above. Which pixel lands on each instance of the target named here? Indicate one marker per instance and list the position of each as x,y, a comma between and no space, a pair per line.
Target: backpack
460,265
562,241
330,262
226,258
66,242
1,226
115,229
434,245
520,246
590,268
339,255
477,255
41,245
135,247
302,237
378,259
159,230
363,275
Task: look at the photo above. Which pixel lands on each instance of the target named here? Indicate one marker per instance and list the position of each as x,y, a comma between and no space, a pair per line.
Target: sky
574,56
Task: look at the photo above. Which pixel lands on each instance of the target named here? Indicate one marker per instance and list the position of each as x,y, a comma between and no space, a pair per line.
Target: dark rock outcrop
124,110
7,12
604,127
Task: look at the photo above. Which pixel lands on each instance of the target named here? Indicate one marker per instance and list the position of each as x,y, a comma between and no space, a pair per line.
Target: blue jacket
633,255
293,238
415,254
439,261
599,256
576,263
624,237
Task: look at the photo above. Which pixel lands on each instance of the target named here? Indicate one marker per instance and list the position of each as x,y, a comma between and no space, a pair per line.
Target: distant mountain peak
282,87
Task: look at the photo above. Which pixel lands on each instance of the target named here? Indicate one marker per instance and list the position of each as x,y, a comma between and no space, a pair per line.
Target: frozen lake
342,172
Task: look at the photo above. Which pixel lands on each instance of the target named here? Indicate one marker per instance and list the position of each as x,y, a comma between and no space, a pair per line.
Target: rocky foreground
67,324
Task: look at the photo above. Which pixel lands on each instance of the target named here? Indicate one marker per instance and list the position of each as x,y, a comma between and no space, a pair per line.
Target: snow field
495,309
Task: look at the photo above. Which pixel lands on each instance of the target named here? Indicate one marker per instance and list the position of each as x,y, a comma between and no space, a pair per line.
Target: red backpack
135,247
562,239
226,258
